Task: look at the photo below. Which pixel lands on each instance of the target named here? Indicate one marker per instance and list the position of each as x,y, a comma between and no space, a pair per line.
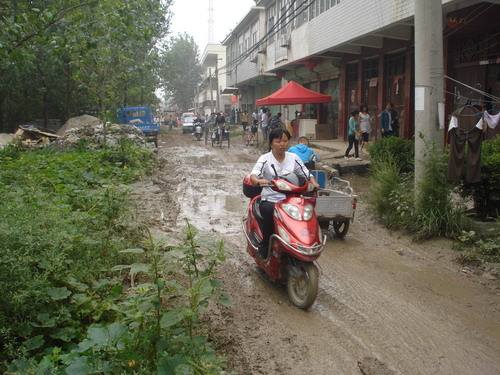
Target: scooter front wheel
302,285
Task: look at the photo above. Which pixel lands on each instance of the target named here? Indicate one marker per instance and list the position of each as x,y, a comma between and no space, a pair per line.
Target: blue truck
142,118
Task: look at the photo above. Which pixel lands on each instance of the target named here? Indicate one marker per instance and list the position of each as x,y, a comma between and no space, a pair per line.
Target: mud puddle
386,305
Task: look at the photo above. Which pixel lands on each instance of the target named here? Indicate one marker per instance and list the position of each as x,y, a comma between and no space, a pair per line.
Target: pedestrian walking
365,125
276,122
386,121
353,135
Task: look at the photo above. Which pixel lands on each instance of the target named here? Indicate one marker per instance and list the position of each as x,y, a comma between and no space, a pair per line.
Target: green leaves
181,70
79,366
34,343
58,293
86,54
100,337
174,317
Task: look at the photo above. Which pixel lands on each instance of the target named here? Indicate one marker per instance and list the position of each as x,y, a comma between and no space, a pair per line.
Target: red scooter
297,240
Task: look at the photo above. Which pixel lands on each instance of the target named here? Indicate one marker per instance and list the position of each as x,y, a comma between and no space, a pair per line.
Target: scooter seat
256,209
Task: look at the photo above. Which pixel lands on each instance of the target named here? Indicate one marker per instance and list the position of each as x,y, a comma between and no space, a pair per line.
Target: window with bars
271,19
255,34
370,68
312,9
394,64
302,13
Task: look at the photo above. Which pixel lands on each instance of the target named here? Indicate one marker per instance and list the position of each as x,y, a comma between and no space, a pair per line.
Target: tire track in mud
386,305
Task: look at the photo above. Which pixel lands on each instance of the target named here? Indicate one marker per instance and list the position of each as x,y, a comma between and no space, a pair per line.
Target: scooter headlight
283,186
292,211
283,234
308,212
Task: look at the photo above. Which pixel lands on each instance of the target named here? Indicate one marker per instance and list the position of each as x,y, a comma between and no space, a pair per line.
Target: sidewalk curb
324,148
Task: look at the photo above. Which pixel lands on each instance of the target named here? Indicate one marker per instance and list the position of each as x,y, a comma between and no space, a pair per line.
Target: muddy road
386,305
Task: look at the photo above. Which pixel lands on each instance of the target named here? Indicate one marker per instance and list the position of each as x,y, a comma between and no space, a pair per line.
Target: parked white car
187,124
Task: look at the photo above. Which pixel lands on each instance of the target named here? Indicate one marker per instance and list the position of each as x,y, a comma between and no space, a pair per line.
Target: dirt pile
78,123
5,139
95,136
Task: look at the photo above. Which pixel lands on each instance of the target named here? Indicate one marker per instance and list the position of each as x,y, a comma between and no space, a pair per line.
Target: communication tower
211,23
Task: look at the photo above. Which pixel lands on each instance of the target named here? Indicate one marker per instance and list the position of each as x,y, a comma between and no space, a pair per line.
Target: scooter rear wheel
302,285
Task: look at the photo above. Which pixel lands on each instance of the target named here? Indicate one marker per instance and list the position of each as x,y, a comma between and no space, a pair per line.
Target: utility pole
429,76
211,90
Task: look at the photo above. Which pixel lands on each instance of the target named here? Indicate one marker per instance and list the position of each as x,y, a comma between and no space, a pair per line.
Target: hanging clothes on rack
464,130
491,120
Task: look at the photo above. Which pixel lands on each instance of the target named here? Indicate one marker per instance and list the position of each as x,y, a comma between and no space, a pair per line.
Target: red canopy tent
293,93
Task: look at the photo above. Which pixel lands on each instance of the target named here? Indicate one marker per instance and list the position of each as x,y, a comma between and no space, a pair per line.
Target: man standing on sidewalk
387,121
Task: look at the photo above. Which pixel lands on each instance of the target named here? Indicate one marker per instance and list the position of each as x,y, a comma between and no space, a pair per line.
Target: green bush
63,220
398,150
388,193
476,248
432,213
67,243
486,194
436,213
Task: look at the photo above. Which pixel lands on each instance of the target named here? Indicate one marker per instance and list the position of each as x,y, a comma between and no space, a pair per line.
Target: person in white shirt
364,125
264,171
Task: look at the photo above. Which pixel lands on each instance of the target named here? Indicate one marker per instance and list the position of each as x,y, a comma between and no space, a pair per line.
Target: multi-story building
246,68
360,52
209,97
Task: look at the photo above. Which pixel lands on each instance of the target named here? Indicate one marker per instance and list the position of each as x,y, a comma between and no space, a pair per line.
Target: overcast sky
191,16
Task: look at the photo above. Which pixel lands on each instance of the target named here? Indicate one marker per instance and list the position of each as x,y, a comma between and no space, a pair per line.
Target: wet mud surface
386,304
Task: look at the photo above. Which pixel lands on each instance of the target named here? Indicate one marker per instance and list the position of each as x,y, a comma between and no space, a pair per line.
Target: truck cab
142,118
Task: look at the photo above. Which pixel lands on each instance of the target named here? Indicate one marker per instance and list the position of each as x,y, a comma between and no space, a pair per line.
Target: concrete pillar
428,79
343,97
381,95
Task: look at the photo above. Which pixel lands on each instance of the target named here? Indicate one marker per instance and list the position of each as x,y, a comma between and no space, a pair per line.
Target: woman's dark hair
354,113
277,134
364,108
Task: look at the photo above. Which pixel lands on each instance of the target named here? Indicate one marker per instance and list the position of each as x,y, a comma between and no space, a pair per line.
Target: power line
271,32
484,93
469,20
264,39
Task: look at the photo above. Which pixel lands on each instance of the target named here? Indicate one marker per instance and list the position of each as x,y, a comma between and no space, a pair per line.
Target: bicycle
219,136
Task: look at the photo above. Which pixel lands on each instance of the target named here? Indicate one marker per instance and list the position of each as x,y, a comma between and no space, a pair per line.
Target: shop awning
230,90
293,93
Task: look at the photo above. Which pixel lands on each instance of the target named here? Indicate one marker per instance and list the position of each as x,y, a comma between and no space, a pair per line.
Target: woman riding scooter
276,162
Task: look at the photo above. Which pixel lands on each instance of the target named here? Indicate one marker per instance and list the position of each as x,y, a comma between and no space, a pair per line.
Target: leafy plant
486,194
432,213
396,150
476,247
63,220
437,214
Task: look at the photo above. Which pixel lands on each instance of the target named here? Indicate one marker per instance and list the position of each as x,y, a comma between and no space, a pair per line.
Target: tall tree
58,57
181,70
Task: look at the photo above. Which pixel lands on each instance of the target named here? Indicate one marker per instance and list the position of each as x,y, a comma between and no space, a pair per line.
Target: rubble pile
100,135
31,137
78,122
5,139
